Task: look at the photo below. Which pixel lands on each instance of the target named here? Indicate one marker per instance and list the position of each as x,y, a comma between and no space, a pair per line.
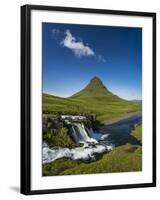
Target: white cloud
76,46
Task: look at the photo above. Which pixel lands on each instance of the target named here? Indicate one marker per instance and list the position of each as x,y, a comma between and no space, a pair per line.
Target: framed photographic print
88,99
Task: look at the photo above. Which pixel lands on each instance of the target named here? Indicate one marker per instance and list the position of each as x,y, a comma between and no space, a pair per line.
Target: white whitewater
83,134
97,136
84,153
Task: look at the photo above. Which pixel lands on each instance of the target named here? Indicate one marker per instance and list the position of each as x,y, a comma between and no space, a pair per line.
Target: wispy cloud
55,32
100,58
76,45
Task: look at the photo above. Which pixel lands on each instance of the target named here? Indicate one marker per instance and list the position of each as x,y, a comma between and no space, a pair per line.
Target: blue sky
73,54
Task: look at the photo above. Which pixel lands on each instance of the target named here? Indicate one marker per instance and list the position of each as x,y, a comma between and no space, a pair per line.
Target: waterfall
91,140
75,135
82,134
78,130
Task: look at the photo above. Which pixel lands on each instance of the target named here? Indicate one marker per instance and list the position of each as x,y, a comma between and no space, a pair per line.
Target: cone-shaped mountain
95,88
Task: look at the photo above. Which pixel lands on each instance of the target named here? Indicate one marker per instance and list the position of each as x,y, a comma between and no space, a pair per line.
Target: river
119,130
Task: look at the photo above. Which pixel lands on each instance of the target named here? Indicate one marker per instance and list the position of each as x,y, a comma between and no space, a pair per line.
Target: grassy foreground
126,158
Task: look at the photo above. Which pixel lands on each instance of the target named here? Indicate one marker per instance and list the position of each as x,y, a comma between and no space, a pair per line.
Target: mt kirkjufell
95,88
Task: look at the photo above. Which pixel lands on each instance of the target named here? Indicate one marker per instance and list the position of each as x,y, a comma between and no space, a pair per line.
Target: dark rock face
96,80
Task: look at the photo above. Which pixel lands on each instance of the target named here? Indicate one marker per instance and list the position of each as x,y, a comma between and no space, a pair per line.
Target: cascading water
75,135
80,134
82,153
83,134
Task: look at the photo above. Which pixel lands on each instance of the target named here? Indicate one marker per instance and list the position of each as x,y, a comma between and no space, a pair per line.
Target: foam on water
85,153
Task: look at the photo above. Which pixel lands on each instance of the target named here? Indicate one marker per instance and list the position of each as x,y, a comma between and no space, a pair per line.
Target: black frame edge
89,189
26,102
89,10
154,97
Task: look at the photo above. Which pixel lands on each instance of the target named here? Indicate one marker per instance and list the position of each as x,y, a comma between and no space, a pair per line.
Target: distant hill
94,98
136,101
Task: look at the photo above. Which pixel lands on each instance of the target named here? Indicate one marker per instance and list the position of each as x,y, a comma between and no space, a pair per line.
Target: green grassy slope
137,133
94,98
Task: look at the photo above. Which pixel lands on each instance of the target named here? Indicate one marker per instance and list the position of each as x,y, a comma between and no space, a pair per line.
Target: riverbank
119,130
126,116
